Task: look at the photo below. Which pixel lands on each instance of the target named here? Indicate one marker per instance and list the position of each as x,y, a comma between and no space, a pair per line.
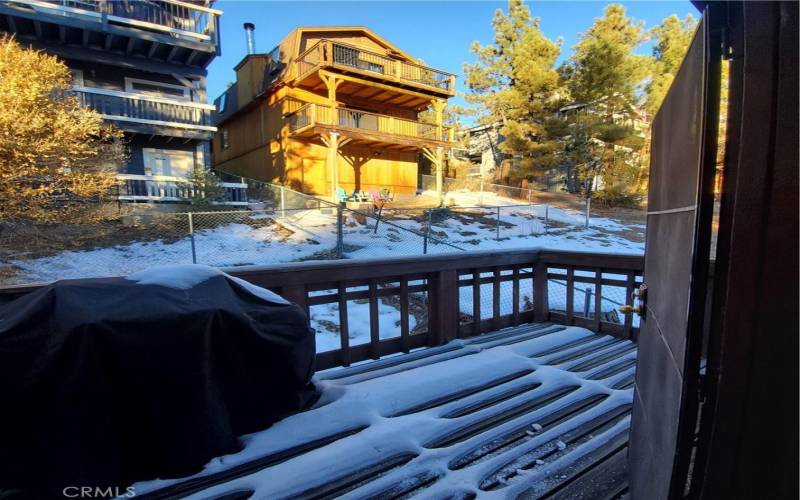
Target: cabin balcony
312,120
161,30
144,114
163,188
372,76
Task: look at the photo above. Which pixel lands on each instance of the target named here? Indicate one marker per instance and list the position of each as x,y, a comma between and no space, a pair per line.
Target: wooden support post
332,161
344,328
515,297
438,110
332,83
374,324
439,164
296,294
541,306
445,290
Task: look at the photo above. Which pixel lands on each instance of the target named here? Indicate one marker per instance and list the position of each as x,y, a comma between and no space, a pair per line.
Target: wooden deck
534,411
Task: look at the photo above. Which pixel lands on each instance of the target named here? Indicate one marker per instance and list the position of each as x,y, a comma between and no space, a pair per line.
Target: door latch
639,295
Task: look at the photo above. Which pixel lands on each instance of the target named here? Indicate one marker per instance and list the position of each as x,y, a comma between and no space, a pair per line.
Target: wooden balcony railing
173,17
159,188
435,289
126,106
341,117
444,294
335,54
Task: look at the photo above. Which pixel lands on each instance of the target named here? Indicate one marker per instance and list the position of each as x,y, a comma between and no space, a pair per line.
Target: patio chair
341,195
377,198
386,194
359,196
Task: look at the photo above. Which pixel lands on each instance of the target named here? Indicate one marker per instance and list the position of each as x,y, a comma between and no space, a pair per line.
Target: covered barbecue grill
106,382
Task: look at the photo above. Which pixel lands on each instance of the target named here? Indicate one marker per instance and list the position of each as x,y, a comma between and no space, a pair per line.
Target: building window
158,89
225,139
223,100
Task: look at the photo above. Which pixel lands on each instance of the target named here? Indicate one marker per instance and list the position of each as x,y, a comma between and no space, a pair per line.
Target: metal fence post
427,232
587,301
191,238
546,217
588,208
283,203
339,233
498,224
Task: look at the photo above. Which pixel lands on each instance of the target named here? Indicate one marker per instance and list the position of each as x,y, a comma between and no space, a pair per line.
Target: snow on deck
530,410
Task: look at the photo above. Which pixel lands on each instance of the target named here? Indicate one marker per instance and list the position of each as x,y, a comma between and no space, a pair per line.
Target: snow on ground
272,238
385,408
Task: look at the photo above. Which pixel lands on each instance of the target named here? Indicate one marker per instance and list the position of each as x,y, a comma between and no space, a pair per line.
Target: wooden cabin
333,107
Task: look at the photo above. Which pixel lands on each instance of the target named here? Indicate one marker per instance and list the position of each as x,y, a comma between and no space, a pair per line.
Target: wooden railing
444,294
435,289
320,114
326,53
151,110
158,188
178,19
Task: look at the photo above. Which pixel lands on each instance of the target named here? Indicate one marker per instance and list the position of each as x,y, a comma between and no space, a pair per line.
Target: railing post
444,310
191,238
339,234
541,305
283,203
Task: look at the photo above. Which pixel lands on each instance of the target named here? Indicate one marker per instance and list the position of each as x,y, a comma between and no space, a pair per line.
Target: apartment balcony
375,77
145,114
169,31
312,120
162,188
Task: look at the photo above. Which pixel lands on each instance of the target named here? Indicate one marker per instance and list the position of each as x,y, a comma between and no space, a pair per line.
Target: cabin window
225,139
158,89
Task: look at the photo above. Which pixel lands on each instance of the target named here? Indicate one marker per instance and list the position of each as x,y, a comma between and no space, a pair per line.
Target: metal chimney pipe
249,28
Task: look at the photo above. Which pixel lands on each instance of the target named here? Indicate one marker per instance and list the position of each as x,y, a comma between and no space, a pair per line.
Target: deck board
538,411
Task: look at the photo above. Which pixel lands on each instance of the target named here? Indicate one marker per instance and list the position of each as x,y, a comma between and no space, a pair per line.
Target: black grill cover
106,382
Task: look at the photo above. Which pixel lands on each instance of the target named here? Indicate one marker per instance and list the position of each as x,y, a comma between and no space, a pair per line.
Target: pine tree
514,82
673,37
605,78
57,157
202,188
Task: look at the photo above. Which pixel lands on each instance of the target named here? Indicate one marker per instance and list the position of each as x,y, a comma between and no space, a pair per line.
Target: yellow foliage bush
57,157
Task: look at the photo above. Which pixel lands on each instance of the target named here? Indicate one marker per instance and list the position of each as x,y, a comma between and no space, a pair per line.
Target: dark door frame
747,437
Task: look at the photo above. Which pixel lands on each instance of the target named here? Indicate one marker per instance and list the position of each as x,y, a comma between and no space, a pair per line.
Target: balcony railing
446,293
148,110
173,17
135,187
319,114
334,54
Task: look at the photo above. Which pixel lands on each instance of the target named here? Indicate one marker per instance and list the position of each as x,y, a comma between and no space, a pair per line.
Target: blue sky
438,32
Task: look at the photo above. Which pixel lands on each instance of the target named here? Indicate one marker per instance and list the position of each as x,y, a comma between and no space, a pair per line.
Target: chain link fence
285,226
